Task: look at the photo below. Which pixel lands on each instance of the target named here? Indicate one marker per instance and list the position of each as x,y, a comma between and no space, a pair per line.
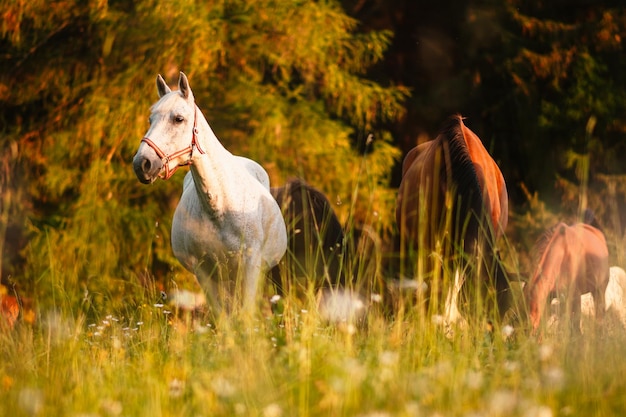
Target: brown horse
573,260
453,201
315,237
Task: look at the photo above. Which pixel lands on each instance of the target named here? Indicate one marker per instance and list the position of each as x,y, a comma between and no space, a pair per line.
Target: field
151,361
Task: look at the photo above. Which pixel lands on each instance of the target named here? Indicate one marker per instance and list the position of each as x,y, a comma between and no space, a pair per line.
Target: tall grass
147,359
147,362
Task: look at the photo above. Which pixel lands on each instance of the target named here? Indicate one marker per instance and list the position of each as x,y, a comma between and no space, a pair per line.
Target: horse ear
183,86
162,87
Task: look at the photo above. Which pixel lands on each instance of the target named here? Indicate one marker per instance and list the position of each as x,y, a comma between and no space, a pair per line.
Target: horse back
440,175
414,154
571,255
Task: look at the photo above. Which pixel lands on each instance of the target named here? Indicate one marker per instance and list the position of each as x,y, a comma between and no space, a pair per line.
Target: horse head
172,136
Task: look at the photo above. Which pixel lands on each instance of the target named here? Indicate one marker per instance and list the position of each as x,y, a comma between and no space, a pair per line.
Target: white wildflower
438,320
545,352
222,387
111,407
30,401
176,388
507,331
538,411
273,410
502,403
554,378
474,380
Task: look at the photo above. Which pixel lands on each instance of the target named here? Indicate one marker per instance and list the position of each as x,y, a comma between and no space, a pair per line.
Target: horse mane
461,170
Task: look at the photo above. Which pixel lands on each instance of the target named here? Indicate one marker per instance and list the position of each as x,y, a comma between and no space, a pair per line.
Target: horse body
574,260
227,227
315,235
453,196
316,253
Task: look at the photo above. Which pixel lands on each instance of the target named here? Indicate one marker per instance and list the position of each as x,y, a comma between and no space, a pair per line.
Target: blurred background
334,92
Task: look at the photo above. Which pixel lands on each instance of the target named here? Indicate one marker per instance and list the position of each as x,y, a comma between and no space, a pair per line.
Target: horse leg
212,283
211,290
452,314
575,308
252,270
600,306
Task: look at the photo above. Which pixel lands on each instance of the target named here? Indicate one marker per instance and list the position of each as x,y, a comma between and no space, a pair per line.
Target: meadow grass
148,361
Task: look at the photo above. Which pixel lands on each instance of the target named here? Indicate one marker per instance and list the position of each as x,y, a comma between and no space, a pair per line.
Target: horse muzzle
147,168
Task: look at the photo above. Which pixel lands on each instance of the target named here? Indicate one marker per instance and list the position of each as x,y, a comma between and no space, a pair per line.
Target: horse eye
179,119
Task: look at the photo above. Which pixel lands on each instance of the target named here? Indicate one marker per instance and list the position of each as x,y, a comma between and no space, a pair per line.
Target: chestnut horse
574,260
452,206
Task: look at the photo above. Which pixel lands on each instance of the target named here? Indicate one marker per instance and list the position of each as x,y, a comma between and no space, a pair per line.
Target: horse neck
548,267
208,144
212,169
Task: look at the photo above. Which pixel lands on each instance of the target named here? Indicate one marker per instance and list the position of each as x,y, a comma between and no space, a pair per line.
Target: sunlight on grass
149,362
299,356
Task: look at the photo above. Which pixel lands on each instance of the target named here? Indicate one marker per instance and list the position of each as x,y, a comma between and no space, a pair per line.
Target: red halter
165,159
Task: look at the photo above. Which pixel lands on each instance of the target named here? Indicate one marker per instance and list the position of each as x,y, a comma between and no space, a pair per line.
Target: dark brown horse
573,260
452,206
315,237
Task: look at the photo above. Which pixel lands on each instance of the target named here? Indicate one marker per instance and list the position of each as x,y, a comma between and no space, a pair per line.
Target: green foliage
564,64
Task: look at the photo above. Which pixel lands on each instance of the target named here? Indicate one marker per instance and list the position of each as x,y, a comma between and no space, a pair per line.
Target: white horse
227,228
614,296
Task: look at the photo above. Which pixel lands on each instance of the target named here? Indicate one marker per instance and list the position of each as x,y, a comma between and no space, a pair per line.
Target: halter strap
165,158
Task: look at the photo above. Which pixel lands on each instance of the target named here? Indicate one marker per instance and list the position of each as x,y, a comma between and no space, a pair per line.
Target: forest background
334,92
